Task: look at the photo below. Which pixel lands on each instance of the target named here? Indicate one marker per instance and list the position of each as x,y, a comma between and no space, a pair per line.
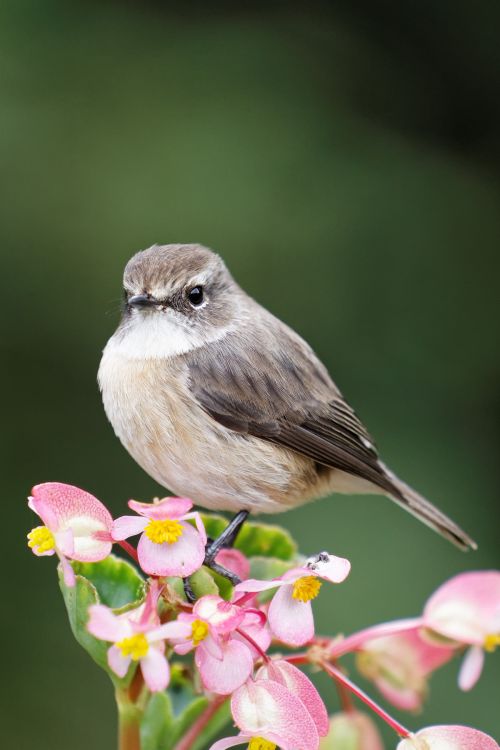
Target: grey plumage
248,380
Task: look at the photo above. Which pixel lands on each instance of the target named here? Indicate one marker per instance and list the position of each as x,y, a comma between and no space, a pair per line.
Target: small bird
221,402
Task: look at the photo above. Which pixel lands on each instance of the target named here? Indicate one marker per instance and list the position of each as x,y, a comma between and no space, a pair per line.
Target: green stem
129,717
187,742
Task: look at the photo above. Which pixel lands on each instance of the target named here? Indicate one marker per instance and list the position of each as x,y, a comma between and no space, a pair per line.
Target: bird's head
176,297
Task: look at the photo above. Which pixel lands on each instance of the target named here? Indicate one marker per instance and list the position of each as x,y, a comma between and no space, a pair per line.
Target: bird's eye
195,296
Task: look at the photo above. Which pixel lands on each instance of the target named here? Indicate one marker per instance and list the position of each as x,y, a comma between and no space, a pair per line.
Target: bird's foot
222,571
227,538
188,591
224,540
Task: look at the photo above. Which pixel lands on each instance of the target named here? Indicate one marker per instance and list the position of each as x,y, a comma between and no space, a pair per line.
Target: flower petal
235,561
126,526
65,542
467,607
256,627
118,663
471,668
331,568
228,673
399,664
290,619
171,631
262,707
253,584
223,616
352,729
300,685
107,626
448,738
68,572
199,524
244,737
55,503
169,507
181,558
225,742
155,670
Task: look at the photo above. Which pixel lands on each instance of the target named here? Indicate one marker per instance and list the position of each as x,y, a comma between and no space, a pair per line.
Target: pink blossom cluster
273,703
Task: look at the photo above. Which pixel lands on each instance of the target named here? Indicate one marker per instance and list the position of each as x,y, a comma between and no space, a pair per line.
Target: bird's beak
142,300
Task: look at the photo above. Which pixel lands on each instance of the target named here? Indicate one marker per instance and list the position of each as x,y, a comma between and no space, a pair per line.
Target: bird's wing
273,386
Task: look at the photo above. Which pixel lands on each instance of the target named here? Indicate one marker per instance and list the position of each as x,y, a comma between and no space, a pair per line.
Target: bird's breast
154,414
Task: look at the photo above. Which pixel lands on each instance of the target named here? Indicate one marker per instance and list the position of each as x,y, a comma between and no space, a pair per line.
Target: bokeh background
344,158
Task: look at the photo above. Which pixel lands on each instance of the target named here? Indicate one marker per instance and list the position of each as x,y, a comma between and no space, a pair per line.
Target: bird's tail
428,513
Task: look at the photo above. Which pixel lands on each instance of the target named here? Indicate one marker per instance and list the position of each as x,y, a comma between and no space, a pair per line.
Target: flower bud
351,730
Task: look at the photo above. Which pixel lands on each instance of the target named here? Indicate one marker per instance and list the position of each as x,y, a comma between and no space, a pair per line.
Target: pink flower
77,526
400,664
466,609
137,637
354,730
223,635
169,546
290,612
235,561
448,738
269,715
280,671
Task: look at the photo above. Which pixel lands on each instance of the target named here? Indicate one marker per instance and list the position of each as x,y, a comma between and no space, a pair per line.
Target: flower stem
253,643
187,742
129,549
340,677
129,716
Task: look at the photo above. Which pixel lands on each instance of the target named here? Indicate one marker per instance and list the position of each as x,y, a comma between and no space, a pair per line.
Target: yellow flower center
306,588
136,646
259,743
491,642
199,631
41,539
163,531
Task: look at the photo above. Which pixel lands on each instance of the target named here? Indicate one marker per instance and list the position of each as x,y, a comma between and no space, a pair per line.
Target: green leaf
78,599
202,582
157,723
254,539
93,585
168,716
184,720
224,586
117,582
266,568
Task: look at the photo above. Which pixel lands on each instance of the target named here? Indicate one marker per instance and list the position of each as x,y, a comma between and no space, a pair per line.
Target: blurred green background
344,159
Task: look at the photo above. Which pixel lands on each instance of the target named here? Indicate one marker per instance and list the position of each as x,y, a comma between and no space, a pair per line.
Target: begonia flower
466,610
169,545
222,634
448,738
354,730
290,612
235,561
300,685
136,636
270,716
77,526
400,664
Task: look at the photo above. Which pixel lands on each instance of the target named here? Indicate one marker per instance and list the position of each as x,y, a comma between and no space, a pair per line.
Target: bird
220,401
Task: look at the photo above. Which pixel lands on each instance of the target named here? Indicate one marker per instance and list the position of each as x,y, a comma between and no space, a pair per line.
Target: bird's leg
228,536
188,591
226,539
